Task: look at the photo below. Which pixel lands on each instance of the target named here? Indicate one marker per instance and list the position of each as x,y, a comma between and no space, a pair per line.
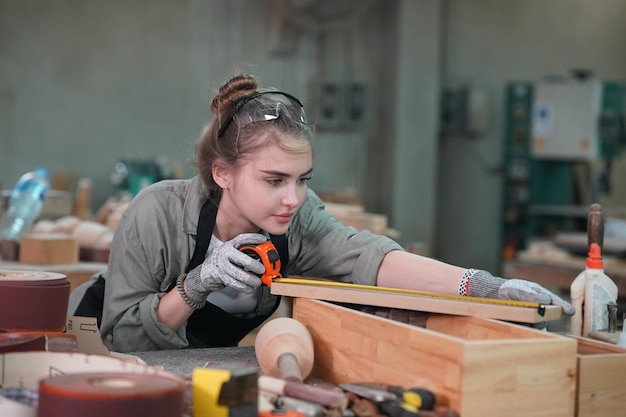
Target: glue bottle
577,294
600,290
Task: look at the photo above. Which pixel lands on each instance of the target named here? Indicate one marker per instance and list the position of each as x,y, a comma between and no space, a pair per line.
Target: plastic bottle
25,204
577,294
599,291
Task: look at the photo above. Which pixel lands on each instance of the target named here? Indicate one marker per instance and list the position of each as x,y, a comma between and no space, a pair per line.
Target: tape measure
335,284
267,253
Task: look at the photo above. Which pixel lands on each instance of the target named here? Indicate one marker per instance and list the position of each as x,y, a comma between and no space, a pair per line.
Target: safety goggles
263,109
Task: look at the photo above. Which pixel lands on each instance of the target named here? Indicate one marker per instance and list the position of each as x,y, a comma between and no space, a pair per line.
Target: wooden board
601,388
482,367
521,312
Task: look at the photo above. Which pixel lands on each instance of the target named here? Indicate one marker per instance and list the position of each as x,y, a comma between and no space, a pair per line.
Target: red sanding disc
33,300
110,395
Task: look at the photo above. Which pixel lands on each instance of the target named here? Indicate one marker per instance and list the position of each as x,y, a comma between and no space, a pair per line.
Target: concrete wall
85,82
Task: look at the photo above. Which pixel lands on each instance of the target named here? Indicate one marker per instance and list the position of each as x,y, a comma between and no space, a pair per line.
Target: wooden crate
601,388
48,249
482,367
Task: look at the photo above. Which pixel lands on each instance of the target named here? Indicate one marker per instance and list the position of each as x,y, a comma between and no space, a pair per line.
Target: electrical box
577,119
464,111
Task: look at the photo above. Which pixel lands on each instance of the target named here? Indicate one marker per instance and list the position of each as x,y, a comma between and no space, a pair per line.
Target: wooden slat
375,296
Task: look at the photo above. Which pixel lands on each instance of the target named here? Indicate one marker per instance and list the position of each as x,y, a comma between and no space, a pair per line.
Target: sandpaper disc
33,300
110,394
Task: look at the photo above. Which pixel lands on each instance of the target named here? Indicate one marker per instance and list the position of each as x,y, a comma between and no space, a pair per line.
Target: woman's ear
221,175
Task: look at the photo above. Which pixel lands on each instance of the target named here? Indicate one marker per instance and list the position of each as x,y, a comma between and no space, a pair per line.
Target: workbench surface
183,361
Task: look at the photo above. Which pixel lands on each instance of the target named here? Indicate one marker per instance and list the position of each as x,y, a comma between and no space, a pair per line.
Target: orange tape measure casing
267,253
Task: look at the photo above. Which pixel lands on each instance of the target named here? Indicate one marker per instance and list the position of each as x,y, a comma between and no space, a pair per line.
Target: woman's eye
304,180
275,182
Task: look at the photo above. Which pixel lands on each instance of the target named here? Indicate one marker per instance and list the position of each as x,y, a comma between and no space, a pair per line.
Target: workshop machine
561,136
131,175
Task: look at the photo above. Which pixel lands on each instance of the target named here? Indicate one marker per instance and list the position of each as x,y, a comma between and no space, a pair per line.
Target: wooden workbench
552,267
76,273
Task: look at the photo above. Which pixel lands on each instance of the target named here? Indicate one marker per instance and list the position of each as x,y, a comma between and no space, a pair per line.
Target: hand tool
420,398
225,393
284,349
402,404
267,253
387,402
362,407
331,398
307,408
612,312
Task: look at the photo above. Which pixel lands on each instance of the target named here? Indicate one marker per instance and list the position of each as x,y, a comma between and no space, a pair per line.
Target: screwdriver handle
420,398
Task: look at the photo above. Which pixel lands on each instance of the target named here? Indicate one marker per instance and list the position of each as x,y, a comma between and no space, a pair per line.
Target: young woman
176,277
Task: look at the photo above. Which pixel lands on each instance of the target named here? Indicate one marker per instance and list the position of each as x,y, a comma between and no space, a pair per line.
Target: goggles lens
264,106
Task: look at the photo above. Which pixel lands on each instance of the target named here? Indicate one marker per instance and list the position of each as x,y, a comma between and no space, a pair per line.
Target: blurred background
439,114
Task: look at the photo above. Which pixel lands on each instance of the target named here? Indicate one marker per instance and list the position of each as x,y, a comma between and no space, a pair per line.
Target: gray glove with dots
226,266
483,284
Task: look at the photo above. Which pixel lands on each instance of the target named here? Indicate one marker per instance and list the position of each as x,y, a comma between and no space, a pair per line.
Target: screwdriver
412,398
420,398
388,403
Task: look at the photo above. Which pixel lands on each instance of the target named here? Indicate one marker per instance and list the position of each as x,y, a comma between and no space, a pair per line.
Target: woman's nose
291,197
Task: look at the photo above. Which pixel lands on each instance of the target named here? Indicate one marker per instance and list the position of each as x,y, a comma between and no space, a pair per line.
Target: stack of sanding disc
43,383
64,384
104,394
33,301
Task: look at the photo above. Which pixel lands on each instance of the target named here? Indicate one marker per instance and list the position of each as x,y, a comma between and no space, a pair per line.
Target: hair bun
233,91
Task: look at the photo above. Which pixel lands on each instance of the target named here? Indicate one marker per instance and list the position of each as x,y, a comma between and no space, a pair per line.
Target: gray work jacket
155,240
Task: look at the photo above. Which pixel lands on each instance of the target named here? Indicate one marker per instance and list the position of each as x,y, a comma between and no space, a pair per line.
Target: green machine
561,136
131,175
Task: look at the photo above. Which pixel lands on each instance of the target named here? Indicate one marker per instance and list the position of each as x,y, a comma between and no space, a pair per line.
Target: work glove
226,266
477,283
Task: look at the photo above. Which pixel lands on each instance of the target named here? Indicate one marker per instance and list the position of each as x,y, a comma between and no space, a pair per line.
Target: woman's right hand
227,266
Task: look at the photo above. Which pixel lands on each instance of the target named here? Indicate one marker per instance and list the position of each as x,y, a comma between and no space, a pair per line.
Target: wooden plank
521,312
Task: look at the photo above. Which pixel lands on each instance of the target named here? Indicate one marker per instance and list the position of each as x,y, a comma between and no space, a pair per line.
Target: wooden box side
542,371
519,377
477,377
601,388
